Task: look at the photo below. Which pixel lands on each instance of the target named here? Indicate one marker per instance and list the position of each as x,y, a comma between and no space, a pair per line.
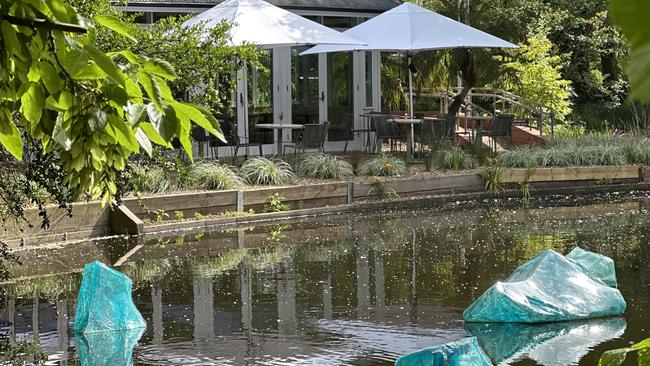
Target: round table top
406,120
279,126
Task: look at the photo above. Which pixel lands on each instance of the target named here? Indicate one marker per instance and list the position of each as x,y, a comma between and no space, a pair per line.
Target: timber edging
134,216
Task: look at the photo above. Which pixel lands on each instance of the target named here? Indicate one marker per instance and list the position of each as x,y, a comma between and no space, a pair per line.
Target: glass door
340,95
260,98
305,92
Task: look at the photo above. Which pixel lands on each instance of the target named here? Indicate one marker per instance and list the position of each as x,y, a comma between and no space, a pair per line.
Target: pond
357,289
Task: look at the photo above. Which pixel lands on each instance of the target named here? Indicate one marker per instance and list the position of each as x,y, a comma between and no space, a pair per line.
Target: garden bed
232,207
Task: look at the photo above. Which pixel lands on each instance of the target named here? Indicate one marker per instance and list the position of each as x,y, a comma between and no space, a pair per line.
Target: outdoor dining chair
436,131
501,127
385,129
312,136
230,132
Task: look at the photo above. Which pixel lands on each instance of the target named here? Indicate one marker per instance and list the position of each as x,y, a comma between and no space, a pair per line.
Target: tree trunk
468,75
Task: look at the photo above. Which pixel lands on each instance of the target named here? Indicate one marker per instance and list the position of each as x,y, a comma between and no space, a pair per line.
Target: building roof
331,5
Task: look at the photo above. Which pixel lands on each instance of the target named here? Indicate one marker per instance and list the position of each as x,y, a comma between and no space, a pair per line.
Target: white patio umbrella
409,29
268,26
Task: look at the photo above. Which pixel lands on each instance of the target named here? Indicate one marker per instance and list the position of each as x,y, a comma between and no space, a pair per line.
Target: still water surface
357,289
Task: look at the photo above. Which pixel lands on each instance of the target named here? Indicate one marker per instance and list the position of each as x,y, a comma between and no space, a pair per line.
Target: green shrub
275,203
214,176
455,159
267,171
323,166
150,179
384,165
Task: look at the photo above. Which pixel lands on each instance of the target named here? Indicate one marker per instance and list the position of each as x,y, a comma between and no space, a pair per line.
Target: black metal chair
386,129
501,127
230,132
435,131
312,136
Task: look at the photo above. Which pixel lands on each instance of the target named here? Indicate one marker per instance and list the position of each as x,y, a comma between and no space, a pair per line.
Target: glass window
338,22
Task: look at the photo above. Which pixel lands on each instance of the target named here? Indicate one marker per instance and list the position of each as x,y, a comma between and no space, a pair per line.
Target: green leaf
144,141
641,345
60,135
133,91
61,102
11,139
113,24
74,60
128,55
50,76
123,133
614,357
136,113
160,68
11,41
166,124
59,10
97,120
152,89
197,116
105,63
632,17
33,102
153,135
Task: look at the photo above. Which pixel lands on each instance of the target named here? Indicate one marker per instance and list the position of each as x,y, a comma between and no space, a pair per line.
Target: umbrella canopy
410,28
267,26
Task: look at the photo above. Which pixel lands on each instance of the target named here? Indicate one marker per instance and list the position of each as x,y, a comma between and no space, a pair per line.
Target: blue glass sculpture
597,266
108,348
465,352
104,302
548,288
550,344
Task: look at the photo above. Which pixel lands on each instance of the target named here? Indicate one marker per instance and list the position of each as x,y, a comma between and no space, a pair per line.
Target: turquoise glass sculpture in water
465,352
597,266
548,288
108,348
104,303
550,344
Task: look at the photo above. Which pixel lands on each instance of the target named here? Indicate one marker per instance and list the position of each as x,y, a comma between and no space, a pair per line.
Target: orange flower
388,166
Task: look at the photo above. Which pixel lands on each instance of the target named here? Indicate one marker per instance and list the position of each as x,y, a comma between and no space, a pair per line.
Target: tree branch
44,23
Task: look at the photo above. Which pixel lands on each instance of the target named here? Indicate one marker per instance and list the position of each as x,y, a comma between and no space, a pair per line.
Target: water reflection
347,290
555,344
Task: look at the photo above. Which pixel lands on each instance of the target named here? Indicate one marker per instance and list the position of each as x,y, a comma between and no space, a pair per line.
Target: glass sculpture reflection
552,344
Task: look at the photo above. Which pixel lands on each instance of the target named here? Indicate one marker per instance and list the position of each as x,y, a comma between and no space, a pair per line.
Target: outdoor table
409,135
279,127
477,126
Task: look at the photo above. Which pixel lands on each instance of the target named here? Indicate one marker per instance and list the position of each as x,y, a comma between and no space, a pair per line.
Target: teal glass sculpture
465,352
550,344
548,288
108,348
104,302
597,266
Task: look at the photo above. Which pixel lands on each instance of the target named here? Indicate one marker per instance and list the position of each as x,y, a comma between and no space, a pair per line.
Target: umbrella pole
410,60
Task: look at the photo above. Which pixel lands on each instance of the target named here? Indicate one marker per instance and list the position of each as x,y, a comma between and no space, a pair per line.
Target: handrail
537,111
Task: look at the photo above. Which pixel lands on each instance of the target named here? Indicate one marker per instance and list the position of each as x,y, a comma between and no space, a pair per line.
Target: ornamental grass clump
263,171
323,166
150,179
454,158
384,165
583,151
214,176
